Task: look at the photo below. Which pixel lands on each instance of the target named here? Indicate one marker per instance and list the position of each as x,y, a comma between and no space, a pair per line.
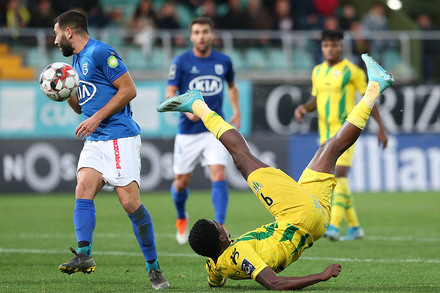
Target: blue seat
277,59
255,59
302,60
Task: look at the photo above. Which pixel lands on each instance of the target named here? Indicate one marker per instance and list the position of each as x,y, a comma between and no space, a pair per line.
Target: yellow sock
338,208
361,112
216,125
201,109
371,94
350,212
351,217
359,115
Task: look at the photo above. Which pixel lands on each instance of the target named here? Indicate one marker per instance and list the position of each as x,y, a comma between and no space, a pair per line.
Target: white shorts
191,149
118,160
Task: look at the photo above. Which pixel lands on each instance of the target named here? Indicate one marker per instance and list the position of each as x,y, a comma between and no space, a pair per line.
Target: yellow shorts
305,204
346,158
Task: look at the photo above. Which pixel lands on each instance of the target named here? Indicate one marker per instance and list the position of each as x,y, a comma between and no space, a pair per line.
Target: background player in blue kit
111,152
206,70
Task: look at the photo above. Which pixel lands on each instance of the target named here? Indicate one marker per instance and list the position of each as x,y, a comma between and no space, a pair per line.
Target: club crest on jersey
257,186
85,68
209,85
219,69
336,73
112,61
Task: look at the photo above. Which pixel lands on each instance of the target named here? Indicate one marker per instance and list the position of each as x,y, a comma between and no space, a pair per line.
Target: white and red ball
59,81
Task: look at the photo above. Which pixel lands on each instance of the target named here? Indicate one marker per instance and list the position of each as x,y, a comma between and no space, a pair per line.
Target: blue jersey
206,74
98,65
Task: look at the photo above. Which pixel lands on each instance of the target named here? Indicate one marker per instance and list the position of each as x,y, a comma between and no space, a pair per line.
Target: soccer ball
59,81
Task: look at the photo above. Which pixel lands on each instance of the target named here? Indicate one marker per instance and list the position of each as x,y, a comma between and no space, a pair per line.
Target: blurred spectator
331,23
208,9
96,17
359,43
326,8
17,17
43,15
283,18
305,15
347,17
235,18
259,19
429,47
168,18
376,20
143,21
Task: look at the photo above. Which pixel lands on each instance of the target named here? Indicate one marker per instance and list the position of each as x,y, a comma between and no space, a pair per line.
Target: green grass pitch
400,252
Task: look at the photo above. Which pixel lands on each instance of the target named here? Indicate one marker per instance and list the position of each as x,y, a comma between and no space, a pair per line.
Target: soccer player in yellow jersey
301,209
334,86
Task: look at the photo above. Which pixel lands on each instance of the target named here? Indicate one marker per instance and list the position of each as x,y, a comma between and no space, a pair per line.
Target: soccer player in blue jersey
206,70
111,152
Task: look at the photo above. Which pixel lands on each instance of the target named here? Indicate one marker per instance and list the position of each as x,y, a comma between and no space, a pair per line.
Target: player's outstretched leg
193,102
79,263
378,81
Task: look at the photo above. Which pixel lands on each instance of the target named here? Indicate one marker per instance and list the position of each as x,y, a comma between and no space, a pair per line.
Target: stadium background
38,149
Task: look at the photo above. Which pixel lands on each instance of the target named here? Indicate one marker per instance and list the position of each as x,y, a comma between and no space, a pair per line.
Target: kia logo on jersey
86,91
209,85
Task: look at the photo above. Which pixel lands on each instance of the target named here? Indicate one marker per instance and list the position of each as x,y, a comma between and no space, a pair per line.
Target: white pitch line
138,254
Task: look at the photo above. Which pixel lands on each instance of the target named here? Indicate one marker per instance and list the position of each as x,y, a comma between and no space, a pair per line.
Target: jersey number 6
268,200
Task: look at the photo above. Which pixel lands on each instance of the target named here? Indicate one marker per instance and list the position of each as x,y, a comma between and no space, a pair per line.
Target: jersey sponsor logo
86,91
172,71
218,69
234,256
247,267
85,68
117,155
209,85
112,61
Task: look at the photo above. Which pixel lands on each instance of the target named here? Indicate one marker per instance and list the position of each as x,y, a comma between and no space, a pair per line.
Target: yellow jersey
335,90
276,245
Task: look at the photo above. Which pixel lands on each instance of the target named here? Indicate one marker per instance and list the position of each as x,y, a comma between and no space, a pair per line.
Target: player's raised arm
126,92
271,281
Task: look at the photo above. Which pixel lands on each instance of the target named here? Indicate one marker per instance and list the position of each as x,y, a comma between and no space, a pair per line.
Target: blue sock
179,201
144,231
154,265
84,219
219,197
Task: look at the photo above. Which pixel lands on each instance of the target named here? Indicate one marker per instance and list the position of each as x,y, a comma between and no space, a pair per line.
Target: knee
180,184
129,205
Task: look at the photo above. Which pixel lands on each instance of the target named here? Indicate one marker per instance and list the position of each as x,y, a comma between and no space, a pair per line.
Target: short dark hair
73,19
202,20
204,240
332,35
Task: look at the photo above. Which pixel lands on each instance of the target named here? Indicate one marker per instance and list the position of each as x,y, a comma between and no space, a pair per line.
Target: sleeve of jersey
110,62
249,261
230,74
174,73
360,81
214,278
